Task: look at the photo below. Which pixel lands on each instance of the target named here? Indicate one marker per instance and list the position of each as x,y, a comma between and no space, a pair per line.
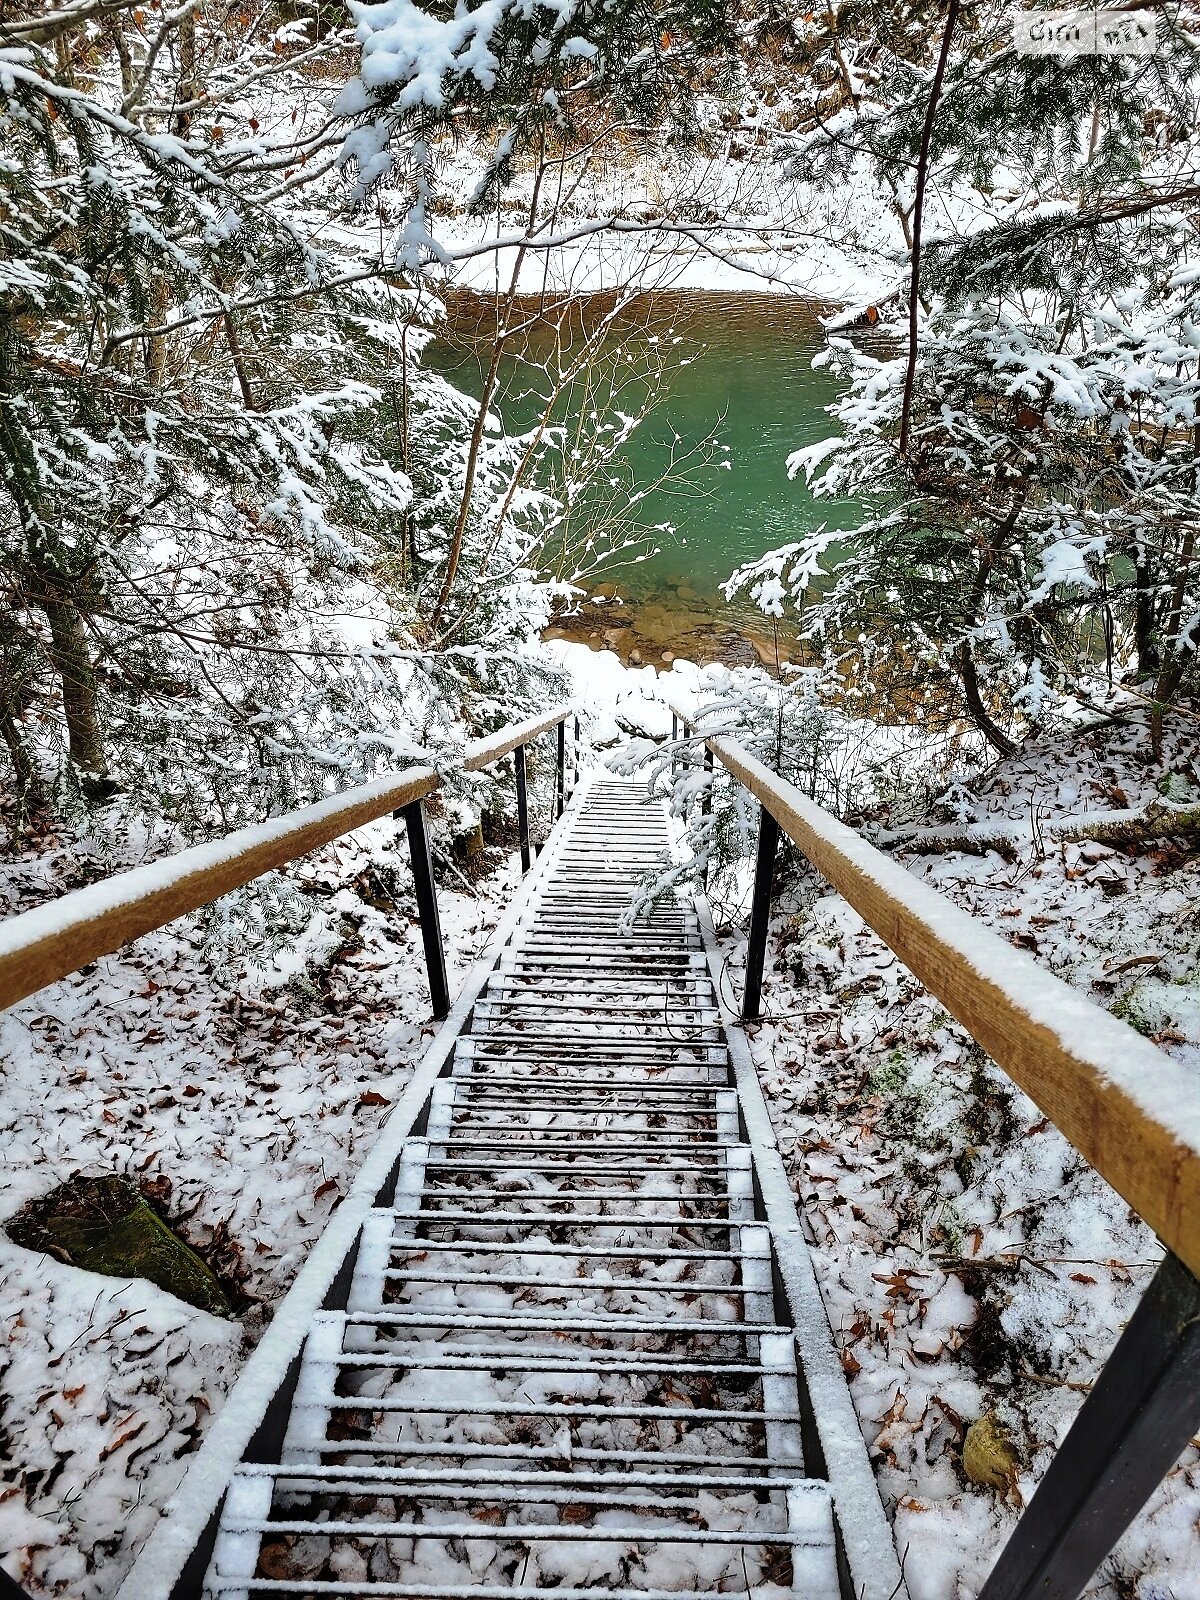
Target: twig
1055,1383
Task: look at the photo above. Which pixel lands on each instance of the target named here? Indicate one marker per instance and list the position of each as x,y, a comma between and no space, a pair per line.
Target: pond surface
733,368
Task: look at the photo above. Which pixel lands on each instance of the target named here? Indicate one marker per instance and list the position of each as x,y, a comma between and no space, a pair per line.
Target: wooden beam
484,751
1130,1110
45,944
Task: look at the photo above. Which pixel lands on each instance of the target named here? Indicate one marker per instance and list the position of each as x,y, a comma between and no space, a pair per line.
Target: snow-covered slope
972,1264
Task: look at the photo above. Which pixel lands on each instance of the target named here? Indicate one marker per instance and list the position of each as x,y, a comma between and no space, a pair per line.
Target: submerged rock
104,1225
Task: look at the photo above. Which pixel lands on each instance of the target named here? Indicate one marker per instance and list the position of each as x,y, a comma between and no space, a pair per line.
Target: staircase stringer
833,1437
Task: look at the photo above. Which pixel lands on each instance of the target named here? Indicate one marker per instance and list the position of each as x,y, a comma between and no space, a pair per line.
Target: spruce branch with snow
1029,463
795,726
558,75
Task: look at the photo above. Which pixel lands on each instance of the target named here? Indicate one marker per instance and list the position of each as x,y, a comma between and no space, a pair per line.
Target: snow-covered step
561,1365
568,1221
696,1070
698,1118
529,1005
645,1098
623,992
404,1241
650,1051
410,1540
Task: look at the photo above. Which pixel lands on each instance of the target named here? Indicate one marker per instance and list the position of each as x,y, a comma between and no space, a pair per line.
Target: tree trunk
190,87
73,663
980,716
1143,617
1170,679
156,348
1158,819
918,211
238,358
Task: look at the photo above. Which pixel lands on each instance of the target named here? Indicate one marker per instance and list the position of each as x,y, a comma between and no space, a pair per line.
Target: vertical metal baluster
560,766
760,914
427,907
706,802
1130,1431
522,807
674,739
577,752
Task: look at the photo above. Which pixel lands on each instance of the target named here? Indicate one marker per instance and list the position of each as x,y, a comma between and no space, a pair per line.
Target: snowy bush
1020,423
798,727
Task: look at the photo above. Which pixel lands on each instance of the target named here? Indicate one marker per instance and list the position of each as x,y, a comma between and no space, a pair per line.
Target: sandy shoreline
658,633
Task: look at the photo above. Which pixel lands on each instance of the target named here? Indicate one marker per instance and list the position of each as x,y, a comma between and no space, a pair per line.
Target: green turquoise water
737,364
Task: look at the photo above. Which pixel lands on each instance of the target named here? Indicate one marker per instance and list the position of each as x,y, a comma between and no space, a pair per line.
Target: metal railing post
1130,1431
760,914
10,1589
522,807
560,766
575,753
706,803
674,741
427,907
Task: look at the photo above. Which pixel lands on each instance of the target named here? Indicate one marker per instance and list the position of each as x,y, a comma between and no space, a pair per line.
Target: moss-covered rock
989,1458
104,1225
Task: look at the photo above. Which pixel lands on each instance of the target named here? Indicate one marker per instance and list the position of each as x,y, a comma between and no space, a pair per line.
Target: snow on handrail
1131,1111
484,751
40,946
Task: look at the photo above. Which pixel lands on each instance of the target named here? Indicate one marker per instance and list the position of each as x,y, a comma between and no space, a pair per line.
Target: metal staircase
562,1364
563,1332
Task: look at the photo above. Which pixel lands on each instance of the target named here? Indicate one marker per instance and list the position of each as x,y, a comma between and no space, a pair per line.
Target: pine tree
1028,455
207,449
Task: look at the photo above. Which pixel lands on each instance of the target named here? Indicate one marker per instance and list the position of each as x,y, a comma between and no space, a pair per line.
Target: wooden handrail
1130,1110
40,946
484,751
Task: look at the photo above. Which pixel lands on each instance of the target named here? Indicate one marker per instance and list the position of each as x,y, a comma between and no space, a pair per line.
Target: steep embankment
241,1101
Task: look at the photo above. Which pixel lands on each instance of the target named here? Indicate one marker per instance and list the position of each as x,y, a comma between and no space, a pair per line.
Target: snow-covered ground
244,1106
972,1265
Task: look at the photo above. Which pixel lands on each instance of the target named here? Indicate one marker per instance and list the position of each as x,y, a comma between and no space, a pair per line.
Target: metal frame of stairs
582,1347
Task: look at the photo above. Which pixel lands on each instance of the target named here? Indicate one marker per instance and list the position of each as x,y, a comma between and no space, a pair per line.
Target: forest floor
242,1107
972,1265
